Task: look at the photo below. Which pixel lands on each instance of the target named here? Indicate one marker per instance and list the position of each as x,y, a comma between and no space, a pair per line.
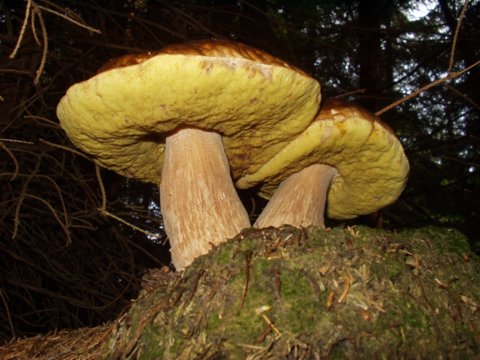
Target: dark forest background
71,256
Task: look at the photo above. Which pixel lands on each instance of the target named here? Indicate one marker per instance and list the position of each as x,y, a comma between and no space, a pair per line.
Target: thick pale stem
300,199
199,204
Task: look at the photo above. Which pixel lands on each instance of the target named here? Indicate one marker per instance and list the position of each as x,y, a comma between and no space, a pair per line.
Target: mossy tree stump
312,293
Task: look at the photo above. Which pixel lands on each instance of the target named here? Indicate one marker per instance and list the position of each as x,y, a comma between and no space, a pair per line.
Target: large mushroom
347,160
189,117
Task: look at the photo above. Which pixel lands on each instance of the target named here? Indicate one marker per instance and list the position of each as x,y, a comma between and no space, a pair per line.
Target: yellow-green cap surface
371,164
122,115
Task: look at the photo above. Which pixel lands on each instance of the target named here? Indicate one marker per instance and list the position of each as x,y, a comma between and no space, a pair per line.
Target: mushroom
189,117
347,160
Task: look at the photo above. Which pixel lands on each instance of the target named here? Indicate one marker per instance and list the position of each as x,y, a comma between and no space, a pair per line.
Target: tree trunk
371,14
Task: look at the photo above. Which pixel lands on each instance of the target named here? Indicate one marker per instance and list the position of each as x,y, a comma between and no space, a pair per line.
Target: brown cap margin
210,47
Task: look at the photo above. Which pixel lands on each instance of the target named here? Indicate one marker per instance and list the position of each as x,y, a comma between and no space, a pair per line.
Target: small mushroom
347,160
189,117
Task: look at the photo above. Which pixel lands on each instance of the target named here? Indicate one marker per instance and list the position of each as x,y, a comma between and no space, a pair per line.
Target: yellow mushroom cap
122,115
372,168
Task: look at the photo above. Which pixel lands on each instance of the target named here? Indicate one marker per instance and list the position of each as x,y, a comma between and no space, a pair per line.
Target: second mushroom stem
300,199
199,204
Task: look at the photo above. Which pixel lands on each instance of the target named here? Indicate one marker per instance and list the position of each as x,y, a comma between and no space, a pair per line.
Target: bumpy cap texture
370,161
122,115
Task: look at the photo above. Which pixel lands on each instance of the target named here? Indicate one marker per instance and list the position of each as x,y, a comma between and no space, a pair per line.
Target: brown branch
465,97
455,36
448,77
7,309
104,212
37,13
21,198
451,75
14,159
34,11
55,215
65,17
22,30
66,148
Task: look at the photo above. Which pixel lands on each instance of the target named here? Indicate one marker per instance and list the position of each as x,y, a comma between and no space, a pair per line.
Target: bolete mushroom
346,159
189,117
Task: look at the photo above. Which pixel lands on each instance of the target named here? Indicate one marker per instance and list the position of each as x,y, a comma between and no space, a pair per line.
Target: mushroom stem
199,204
300,199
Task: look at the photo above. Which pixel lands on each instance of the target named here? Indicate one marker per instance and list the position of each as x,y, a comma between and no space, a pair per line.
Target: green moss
390,267
444,240
299,303
343,293
223,257
151,349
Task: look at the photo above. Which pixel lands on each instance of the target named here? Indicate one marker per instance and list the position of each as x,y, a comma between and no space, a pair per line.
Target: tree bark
371,15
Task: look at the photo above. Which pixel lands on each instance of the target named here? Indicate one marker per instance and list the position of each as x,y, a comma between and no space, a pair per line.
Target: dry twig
450,75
